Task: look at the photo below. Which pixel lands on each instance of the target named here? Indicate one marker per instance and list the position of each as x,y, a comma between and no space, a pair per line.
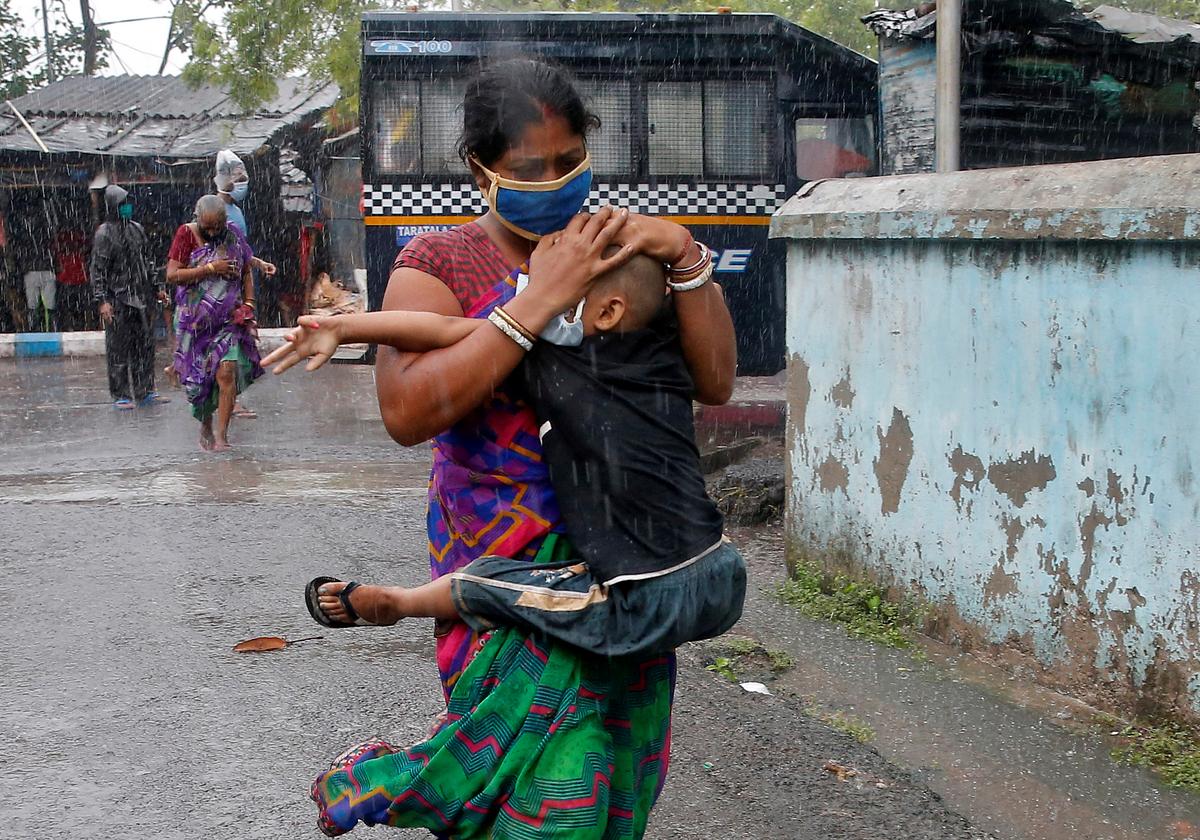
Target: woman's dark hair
507,97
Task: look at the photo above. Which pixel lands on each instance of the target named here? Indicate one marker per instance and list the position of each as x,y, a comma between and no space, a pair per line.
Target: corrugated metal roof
1143,28
159,116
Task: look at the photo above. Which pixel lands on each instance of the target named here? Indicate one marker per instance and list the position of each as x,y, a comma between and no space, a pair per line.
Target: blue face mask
125,211
533,209
240,190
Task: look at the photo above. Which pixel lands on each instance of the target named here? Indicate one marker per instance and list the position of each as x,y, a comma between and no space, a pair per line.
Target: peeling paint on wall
799,391
1016,477
895,454
842,394
968,473
1026,431
834,475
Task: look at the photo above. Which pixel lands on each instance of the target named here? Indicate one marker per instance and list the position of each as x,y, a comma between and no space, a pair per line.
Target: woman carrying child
539,740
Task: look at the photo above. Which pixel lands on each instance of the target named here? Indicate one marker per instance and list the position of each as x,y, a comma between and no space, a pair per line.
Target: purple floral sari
206,334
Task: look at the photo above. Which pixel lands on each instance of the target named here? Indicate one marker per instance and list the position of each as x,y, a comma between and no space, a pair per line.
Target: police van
711,120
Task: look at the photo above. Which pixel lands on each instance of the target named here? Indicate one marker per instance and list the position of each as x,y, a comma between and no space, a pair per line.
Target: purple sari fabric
204,328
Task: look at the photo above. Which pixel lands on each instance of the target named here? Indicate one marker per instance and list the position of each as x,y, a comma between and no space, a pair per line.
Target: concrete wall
1008,430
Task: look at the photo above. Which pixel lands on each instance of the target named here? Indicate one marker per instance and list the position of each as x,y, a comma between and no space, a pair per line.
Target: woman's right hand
564,264
316,338
222,268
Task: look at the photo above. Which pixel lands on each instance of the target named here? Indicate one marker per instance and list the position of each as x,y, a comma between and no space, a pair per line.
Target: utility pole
947,116
89,38
49,44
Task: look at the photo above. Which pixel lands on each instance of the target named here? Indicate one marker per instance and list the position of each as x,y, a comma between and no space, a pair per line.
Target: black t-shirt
621,450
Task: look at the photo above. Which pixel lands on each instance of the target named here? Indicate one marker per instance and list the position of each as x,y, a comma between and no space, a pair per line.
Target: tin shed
1043,81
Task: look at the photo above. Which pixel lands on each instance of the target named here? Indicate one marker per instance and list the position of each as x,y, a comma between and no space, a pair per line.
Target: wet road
131,563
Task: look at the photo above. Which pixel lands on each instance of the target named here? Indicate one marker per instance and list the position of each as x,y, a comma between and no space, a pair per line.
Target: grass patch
725,667
779,660
862,607
1169,749
737,658
848,724
738,646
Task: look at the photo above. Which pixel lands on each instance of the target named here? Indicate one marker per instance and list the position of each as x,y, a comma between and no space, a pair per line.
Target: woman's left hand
244,315
657,238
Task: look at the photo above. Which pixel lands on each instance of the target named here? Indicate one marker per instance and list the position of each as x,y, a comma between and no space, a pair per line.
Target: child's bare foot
376,604
221,445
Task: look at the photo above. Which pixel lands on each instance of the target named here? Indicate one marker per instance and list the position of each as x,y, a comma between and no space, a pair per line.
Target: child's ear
611,313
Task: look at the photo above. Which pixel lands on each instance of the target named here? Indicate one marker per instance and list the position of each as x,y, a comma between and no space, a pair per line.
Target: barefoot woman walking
539,741
216,352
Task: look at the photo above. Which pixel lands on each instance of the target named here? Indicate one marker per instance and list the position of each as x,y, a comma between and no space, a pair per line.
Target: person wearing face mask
216,353
525,140
123,288
232,183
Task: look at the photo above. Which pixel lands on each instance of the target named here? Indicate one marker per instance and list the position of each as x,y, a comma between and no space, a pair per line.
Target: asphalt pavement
131,562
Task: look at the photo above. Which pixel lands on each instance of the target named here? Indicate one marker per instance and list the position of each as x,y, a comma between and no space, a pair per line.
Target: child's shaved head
641,282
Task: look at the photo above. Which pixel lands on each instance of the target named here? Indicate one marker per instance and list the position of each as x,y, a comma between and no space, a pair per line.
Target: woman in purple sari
216,353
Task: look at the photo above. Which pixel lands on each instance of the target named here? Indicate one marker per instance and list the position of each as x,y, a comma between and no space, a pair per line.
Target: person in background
124,288
70,255
40,290
216,354
233,185
7,290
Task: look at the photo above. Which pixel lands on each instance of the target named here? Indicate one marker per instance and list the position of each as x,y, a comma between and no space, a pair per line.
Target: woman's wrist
532,313
689,251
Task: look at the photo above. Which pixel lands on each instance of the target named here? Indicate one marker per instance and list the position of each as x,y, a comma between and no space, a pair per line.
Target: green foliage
738,656
724,666
259,41
837,20
779,660
862,607
843,722
22,64
16,52
1169,749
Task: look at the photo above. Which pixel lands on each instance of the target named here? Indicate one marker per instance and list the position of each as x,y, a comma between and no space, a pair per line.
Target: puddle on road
226,482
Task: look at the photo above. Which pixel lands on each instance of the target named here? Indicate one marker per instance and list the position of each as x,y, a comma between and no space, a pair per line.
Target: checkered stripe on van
423,200
691,199
664,200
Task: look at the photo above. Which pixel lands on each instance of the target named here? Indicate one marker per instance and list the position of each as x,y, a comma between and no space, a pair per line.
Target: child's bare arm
318,337
411,332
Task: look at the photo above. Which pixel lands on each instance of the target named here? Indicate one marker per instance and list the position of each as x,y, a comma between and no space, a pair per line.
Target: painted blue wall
1009,430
